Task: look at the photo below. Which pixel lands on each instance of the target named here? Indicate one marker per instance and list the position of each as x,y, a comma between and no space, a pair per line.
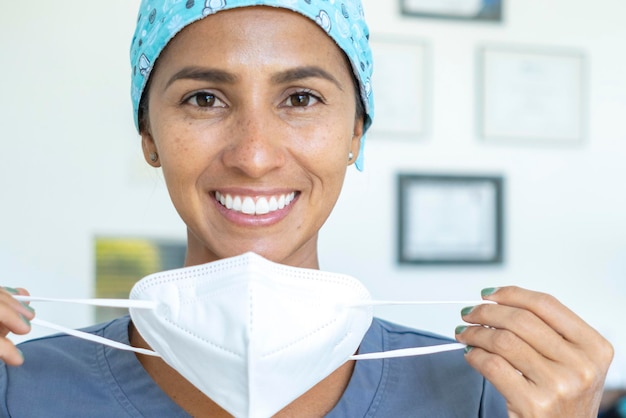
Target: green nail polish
28,307
26,321
489,291
459,330
468,349
11,290
467,310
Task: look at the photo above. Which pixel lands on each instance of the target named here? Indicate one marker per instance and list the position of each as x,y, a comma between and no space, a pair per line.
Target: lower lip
242,219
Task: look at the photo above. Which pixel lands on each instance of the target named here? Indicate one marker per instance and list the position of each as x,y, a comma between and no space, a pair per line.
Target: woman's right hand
15,317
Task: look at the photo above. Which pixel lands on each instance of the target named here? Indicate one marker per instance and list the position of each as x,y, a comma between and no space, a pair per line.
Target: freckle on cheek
181,144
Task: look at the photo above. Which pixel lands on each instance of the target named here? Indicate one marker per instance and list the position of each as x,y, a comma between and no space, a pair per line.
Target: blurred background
72,174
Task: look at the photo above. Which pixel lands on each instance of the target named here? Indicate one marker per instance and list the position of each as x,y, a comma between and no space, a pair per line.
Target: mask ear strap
408,352
108,303
418,302
148,304
413,351
91,337
116,303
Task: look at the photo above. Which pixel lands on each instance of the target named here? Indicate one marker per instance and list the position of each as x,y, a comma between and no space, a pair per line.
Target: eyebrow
301,73
219,76
202,74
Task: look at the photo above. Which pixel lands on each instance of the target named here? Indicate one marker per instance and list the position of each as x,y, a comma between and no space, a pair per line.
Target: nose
255,147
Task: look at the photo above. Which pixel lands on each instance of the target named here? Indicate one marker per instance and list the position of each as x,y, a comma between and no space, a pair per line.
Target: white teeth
247,204
237,204
262,206
273,204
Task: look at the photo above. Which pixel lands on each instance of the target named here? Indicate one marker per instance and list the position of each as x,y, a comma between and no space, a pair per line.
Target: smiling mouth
255,205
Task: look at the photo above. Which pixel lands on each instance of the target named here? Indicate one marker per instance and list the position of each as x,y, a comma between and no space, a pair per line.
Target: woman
254,114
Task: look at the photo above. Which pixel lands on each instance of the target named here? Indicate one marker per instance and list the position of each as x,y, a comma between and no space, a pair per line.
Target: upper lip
255,193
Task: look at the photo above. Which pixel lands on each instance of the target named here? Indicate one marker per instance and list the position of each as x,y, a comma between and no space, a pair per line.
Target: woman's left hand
544,359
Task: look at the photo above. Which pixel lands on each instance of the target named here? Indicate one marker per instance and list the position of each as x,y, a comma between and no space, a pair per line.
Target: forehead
255,32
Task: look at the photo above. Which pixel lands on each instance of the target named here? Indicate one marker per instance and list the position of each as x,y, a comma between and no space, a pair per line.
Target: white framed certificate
532,95
450,219
399,82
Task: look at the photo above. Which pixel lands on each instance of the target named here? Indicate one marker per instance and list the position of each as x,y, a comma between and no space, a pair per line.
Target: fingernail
467,310
458,330
20,353
11,290
468,349
489,291
28,307
26,321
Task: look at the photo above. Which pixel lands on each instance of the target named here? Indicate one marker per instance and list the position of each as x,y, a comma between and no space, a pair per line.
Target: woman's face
252,114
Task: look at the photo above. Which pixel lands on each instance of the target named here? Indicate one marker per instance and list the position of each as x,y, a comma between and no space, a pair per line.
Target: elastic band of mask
419,302
95,338
409,352
107,303
148,304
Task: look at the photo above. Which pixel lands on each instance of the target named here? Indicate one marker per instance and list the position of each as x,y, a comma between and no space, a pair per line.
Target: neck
304,256
316,402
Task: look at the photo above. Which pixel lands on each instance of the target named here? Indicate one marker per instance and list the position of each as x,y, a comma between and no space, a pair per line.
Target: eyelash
213,99
305,93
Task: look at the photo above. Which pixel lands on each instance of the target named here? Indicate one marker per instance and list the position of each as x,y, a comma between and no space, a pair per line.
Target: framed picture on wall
531,95
121,261
400,80
477,10
450,219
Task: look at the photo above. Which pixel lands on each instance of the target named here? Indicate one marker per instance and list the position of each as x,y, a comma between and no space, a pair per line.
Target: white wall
71,159
71,167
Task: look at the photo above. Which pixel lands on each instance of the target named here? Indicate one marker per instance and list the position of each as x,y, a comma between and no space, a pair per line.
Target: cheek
327,161
324,160
181,160
179,143
328,140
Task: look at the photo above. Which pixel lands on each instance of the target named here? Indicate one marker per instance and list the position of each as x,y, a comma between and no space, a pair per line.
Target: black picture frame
488,11
450,219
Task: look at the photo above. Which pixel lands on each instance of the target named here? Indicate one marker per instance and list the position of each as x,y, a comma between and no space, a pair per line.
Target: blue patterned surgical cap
343,20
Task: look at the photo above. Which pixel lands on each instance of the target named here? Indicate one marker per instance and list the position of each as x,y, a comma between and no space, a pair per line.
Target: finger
14,315
6,296
548,309
14,318
524,324
504,343
565,392
13,321
508,381
10,354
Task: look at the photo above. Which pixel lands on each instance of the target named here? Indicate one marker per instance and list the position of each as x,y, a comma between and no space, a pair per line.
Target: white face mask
251,334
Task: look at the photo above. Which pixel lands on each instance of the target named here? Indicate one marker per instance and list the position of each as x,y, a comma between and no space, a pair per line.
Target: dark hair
142,111
360,107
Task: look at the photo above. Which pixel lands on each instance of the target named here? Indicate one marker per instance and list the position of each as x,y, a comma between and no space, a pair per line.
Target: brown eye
204,100
300,99
303,98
